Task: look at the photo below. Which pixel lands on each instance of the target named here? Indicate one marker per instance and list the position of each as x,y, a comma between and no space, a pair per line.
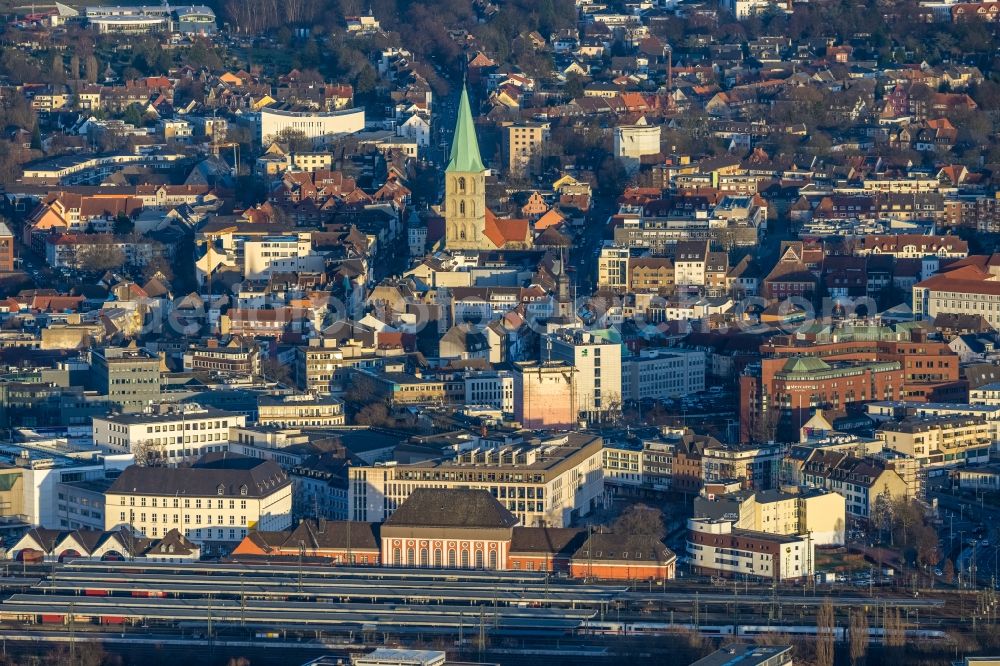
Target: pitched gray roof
230,473
447,507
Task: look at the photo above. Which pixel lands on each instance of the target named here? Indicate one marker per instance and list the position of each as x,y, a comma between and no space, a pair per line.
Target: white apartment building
623,466
490,389
185,431
289,253
612,268
662,373
214,503
596,358
320,126
716,547
690,261
547,483
986,395
756,466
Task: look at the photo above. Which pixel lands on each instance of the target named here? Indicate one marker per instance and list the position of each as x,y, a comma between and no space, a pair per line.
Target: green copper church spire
464,145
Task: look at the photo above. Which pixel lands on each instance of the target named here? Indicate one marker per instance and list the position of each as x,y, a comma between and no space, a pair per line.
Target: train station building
456,528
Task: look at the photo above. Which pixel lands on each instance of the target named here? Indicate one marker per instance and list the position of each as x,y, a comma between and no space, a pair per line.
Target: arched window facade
396,558
410,560
423,557
451,559
465,559
479,559
461,208
437,558
493,559
461,184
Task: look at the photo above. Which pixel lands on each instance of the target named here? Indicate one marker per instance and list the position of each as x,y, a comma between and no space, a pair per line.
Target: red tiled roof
503,230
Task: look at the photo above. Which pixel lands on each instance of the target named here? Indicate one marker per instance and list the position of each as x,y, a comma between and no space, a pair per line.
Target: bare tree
92,68
640,520
99,257
895,629
824,634
859,635
147,454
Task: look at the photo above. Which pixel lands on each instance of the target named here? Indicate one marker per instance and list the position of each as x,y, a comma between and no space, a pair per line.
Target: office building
129,377
300,411
215,502
175,434
596,359
320,126
662,373
550,482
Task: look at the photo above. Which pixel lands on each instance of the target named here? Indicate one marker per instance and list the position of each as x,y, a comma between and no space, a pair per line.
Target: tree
824,634
98,257
148,454
640,520
133,115
74,67
375,414
123,225
57,70
296,140
92,68
859,636
949,571
895,629
276,371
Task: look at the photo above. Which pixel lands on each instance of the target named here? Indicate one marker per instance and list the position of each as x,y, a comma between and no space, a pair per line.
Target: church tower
465,187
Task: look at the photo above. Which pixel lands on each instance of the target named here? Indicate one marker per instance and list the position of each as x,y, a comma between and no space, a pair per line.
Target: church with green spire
468,223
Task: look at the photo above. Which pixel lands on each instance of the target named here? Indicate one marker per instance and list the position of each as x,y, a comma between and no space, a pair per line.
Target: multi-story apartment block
522,145
716,547
652,274
864,482
755,466
325,367
942,441
819,513
279,254
613,268
215,502
544,483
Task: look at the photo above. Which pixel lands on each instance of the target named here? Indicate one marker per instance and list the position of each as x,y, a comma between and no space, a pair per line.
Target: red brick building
467,529
778,395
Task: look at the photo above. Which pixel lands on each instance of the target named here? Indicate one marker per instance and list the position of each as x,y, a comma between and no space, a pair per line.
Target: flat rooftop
748,655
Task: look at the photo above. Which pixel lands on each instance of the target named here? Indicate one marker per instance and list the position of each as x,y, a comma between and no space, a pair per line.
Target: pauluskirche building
469,224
